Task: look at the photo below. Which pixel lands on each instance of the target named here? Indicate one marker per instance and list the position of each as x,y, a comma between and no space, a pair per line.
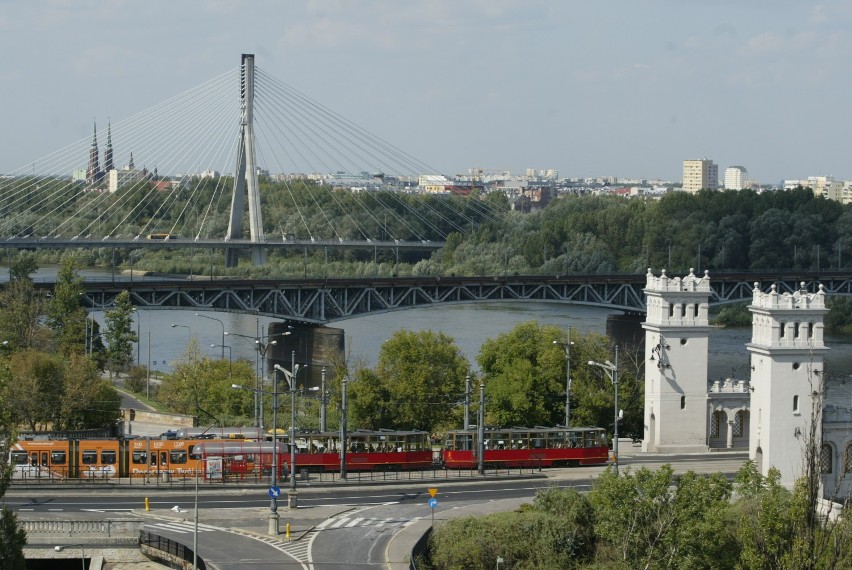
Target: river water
470,324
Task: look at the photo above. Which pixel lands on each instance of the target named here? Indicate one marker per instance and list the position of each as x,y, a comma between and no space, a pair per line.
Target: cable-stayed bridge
242,161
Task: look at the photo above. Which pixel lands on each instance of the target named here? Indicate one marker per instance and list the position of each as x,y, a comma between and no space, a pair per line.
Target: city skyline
590,90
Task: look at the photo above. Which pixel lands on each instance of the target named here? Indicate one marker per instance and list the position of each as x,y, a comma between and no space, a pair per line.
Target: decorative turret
676,353
787,354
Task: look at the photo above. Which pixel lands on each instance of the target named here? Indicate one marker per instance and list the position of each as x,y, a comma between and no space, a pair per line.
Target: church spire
108,165
93,172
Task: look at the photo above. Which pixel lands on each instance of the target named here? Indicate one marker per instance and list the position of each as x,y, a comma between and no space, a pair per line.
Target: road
335,526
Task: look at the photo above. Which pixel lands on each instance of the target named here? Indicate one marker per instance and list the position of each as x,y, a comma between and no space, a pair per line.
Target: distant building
700,174
736,178
124,177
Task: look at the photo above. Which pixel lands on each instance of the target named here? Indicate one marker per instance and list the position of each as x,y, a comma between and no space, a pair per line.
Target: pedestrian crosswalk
353,521
186,527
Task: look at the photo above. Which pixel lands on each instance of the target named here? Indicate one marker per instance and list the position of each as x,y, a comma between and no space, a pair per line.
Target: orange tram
216,458
238,455
526,447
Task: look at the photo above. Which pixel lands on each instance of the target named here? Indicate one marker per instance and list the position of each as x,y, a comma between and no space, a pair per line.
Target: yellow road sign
433,492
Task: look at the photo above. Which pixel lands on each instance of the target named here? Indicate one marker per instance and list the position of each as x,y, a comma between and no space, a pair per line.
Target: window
140,457
739,421
177,456
825,463
795,404
682,402
19,457
783,331
714,424
90,456
108,457
848,462
57,458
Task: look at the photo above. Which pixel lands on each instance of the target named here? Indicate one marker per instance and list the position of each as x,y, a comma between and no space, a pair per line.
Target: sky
618,88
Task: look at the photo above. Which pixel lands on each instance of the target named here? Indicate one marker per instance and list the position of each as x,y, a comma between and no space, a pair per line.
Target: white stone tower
676,354
787,353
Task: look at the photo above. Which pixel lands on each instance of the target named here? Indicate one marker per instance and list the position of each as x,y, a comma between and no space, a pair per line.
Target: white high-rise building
736,177
700,174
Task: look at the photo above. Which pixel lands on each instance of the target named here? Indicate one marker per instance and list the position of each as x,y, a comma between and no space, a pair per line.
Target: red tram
526,447
319,452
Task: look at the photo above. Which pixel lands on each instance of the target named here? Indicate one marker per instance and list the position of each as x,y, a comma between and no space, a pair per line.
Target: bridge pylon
245,177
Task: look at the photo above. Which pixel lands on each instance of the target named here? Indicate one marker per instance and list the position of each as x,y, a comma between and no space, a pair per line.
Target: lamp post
60,548
343,428
323,396
138,337
291,380
261,348
223,330
612,371
230,360
567,347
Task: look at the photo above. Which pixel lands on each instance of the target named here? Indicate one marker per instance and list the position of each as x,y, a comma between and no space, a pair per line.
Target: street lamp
260,358
60,548
138,338
223,330
567,347
187,327
230,360
612,371
291,381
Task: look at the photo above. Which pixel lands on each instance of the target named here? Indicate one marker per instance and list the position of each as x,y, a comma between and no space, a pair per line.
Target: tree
87,401
34,390
524,376
65,314
13,538
119,334
201,386
649,519
422,376
21,308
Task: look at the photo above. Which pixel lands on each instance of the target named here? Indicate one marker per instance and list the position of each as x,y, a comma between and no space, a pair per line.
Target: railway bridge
321,301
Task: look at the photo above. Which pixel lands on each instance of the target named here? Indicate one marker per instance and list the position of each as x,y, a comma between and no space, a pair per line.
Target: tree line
654,519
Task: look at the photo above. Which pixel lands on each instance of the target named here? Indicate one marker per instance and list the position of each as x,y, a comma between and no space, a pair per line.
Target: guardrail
168,550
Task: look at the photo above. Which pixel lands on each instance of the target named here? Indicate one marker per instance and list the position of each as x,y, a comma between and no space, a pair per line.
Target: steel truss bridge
320,301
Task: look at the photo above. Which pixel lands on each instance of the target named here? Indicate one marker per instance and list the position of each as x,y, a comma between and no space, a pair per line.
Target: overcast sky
622,88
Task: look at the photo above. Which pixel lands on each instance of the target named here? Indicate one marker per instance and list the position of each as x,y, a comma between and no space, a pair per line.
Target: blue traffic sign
433,503
274,492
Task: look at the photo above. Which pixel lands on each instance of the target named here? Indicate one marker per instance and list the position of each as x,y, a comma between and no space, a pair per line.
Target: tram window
19,457
57,458
108,457
140,457
177,456
90,457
